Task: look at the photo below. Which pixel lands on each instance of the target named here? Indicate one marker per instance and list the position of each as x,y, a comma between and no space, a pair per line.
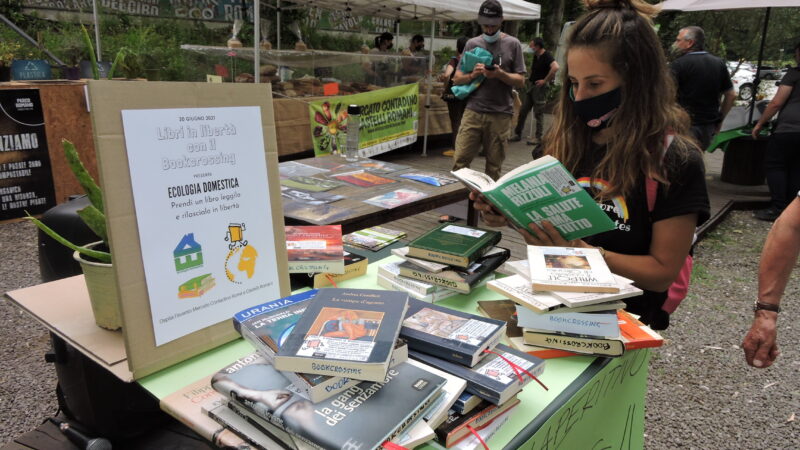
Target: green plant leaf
95,220
92,57
84,178
117,60
96,254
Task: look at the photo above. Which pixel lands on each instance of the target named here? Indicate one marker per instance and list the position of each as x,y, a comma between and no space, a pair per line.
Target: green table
592,403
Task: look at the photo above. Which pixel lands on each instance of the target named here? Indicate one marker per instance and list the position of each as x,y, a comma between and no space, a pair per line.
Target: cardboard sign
129,247
26,180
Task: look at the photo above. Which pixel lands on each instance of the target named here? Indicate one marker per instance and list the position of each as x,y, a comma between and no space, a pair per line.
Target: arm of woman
671,241
446,73
772,108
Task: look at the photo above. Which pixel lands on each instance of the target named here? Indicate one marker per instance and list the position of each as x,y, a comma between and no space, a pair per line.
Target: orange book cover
315,249
635,334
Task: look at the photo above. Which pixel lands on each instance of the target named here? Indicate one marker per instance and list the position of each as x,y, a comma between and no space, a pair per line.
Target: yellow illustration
241,255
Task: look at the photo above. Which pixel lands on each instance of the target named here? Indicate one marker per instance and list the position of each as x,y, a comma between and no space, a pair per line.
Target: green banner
389,119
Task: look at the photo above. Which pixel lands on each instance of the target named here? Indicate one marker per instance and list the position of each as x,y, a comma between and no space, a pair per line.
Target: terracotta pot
101,281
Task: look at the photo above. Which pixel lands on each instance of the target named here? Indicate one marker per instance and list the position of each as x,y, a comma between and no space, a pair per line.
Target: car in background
742,76
771,73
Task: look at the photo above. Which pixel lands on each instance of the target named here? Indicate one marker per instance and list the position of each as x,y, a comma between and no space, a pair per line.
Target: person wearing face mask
702,79
618,129
487,119
378,71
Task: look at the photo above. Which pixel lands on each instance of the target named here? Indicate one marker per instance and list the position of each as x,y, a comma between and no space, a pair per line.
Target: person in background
487,118
782,161
418,65
378,70
778,258
617,126
543,71
455,107
702,79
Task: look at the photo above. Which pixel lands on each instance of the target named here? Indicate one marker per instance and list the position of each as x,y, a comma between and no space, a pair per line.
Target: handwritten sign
200,190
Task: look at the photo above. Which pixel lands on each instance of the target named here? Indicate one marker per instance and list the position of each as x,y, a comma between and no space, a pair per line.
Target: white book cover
578,299
452,389
518,289
430,266
600,324
570,269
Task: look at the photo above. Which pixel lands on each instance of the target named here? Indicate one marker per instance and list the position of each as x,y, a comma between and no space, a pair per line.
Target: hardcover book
461,280
540,190
373,238
358,416
315,249
345,332
570,269
267,326
593,324
455,245
633,335
449,334
494,378
455,429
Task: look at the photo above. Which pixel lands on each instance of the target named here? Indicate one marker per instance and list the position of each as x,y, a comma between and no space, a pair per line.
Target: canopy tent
432,10
707,5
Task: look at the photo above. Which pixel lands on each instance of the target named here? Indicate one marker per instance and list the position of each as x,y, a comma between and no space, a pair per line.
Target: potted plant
94,258
7,50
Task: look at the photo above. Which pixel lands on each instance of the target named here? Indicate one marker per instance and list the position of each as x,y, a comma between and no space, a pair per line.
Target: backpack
680,287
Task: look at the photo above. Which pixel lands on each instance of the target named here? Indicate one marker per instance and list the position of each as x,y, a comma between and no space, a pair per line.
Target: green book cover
458,245
542,189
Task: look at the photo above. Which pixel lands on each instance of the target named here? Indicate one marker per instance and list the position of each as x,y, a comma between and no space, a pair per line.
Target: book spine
594,325
359,371
407,284
392,286
246,412
316,266
434,349
459,286
446,258
585,346
251,440
350,271
250,336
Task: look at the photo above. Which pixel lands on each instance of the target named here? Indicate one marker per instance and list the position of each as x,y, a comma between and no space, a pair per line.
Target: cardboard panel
107,99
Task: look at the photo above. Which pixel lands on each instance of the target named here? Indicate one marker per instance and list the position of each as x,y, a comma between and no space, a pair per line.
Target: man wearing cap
487,119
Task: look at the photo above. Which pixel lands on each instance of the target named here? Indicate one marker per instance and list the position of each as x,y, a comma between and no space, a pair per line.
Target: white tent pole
428,90
96,31
257,41
278,30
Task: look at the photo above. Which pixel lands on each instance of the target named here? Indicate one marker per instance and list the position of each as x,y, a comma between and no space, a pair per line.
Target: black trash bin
743,163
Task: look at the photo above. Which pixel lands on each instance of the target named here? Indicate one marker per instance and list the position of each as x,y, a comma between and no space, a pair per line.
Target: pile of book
355,367
317,258
446,261
567,299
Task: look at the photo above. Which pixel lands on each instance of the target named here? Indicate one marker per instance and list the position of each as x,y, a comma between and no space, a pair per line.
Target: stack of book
331,368
446,261
467,346
567,299
373,238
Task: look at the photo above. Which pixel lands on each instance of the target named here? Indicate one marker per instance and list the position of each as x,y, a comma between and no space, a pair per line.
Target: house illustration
188,254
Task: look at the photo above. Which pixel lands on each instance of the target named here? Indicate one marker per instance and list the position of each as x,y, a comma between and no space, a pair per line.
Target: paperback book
354,266
586,299
594,324
493,379
454,245
461,280
358,416
466,402
451,391
633,335
311,198
393,199
312,184
315,249
435,296
267,326
363,179
345,332
290,169
540,190
570,269
451,335
429,266
455,429
432,178
256,438
518,289
373,238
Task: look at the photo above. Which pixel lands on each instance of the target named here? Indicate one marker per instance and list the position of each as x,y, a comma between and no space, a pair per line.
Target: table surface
353,214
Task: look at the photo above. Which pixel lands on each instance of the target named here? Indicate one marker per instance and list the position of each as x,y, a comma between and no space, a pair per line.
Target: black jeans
782,166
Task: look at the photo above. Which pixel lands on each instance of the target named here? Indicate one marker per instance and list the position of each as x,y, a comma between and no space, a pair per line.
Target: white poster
200,190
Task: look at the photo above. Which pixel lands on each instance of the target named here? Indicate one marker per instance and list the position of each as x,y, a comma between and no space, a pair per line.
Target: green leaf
84,178
117,60
96,254
92,57
95,220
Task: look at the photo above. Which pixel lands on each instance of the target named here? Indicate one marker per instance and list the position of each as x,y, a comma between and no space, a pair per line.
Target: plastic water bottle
351,145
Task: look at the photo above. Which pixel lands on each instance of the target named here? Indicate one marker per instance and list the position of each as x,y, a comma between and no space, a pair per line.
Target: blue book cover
598,324
449,334
493,379
345,332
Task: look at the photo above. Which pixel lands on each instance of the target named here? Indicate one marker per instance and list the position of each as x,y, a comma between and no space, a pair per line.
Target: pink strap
517,369
473,431
389,445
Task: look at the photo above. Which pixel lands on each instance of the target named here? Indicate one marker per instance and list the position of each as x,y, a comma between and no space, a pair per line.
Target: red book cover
313,249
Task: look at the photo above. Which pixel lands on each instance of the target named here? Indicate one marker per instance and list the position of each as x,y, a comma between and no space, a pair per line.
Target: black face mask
596,112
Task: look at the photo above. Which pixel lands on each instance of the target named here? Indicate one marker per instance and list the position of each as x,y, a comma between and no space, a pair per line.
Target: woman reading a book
616,126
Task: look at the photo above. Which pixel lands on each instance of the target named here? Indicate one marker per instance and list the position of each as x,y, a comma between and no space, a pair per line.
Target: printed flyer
200,189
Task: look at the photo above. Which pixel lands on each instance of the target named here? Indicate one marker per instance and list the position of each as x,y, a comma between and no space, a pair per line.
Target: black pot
5,73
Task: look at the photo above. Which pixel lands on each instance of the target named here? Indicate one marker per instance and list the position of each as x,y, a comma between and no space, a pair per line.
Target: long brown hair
622,31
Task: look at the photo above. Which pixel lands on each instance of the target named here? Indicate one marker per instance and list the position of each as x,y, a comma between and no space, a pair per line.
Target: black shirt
541,65
686,194
701,78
